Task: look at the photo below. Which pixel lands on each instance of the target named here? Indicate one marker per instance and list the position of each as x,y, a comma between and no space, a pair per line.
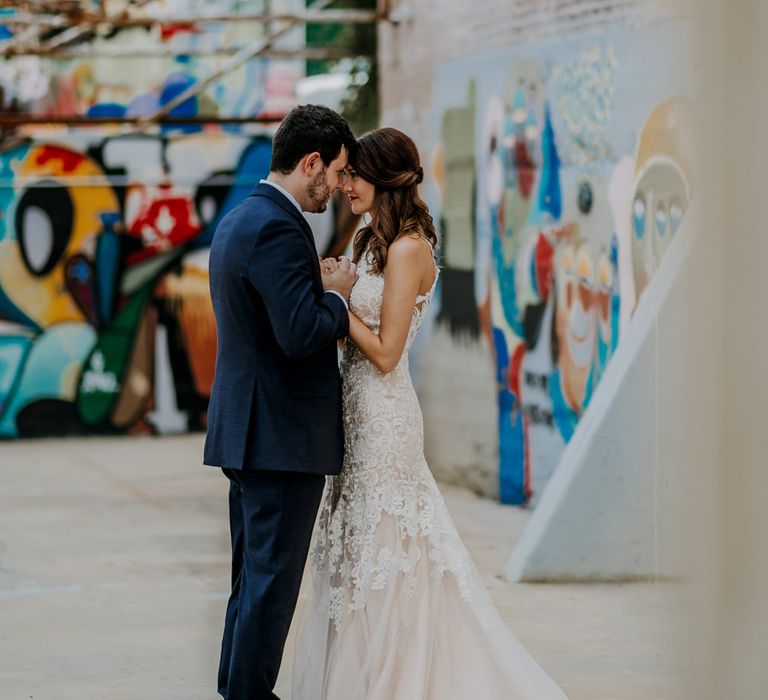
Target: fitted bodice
366,302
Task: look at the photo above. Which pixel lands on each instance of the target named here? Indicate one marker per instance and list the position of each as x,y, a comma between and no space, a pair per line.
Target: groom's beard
318,192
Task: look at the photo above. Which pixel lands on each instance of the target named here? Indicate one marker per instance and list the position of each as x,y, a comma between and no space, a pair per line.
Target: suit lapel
263,190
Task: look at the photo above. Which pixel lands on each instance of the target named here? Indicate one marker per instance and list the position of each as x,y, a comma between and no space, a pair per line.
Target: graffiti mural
559,185
106,322
105,316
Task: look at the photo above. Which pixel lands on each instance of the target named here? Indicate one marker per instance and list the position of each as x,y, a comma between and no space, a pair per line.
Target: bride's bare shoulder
411,245
414,253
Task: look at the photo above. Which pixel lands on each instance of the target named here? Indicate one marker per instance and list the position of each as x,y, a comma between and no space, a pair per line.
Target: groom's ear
310,163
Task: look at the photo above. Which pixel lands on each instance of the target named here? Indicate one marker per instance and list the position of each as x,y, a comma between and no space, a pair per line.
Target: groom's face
325,180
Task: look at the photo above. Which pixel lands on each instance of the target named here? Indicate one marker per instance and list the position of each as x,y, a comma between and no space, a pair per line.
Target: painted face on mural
603,296
660,201
589,266
663,185
361,193
325,180
576,322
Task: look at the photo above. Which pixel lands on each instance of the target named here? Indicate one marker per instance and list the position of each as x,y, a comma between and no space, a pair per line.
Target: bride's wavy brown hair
389,160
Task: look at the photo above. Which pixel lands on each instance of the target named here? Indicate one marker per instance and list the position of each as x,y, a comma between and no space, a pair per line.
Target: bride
397,608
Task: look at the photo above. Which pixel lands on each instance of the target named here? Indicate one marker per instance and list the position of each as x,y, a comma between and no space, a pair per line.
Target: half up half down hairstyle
389,160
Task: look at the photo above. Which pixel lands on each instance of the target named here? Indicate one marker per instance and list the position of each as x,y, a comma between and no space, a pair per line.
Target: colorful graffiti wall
560,175
106,322
105,315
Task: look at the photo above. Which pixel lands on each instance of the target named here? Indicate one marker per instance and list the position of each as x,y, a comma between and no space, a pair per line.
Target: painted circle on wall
44,219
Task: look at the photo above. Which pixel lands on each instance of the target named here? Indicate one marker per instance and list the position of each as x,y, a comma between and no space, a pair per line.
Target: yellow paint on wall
45,299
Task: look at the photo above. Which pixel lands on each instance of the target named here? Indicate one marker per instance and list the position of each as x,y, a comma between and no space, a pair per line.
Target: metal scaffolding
64,29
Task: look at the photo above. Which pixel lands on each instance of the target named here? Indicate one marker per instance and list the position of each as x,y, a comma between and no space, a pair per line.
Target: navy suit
274,421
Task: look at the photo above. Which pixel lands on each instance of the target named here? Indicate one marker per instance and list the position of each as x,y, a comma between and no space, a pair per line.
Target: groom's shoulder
254,203
249,217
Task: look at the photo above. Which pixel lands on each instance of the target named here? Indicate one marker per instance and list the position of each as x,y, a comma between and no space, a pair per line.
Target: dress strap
423,297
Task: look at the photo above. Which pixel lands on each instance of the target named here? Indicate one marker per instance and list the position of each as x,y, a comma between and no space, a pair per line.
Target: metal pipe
316,53
311,16
235,62
15,119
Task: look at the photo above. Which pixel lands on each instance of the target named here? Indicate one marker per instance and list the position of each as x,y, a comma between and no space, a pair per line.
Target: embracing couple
397,609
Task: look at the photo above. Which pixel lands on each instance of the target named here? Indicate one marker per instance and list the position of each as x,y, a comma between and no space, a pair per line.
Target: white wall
612,509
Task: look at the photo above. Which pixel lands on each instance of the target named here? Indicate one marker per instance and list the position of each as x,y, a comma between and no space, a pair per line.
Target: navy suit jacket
276,400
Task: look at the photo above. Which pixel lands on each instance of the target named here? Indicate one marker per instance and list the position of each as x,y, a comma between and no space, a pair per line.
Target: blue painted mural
558,196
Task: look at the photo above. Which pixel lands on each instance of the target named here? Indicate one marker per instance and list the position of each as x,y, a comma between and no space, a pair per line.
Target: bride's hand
328,265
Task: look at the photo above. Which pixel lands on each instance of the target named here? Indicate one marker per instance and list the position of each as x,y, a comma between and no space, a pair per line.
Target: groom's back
260,394
237,310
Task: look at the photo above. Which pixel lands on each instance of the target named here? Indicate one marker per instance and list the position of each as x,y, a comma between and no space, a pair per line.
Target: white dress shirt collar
292,199
283,191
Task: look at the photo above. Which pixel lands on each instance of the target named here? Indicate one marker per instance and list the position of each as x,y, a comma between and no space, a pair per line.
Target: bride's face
361,193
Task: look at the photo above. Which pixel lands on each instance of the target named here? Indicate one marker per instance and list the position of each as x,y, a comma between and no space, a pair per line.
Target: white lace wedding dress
397,610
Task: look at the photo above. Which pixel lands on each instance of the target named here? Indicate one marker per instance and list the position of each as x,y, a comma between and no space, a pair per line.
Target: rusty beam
315,53
127,19
69,35
15,120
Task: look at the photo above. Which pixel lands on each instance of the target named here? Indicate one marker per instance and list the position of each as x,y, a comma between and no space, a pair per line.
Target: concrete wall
558,140
729,606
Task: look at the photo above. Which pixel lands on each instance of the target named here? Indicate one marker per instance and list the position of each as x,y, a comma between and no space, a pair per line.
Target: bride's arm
402,279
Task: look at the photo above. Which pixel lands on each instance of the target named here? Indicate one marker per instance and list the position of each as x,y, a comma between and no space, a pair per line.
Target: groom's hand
341,275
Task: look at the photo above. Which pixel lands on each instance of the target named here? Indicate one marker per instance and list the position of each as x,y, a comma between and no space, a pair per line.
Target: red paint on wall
164,221
515,386
69,159
526,169
544,255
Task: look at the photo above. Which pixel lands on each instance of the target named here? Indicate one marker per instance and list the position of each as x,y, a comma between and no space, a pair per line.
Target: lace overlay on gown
389,570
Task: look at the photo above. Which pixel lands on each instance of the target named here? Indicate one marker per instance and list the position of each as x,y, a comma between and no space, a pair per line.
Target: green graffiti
101,381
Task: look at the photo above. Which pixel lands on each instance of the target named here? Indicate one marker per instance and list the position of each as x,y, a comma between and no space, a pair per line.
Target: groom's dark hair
306,129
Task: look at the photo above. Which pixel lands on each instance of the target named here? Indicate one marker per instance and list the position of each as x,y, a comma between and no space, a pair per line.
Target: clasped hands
338,275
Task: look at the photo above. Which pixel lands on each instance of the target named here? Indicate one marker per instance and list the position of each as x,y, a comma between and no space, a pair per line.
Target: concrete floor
114,573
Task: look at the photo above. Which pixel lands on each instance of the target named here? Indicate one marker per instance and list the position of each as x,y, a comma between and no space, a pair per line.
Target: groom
274,419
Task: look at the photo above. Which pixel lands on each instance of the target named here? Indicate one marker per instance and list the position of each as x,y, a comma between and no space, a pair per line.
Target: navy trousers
271,515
